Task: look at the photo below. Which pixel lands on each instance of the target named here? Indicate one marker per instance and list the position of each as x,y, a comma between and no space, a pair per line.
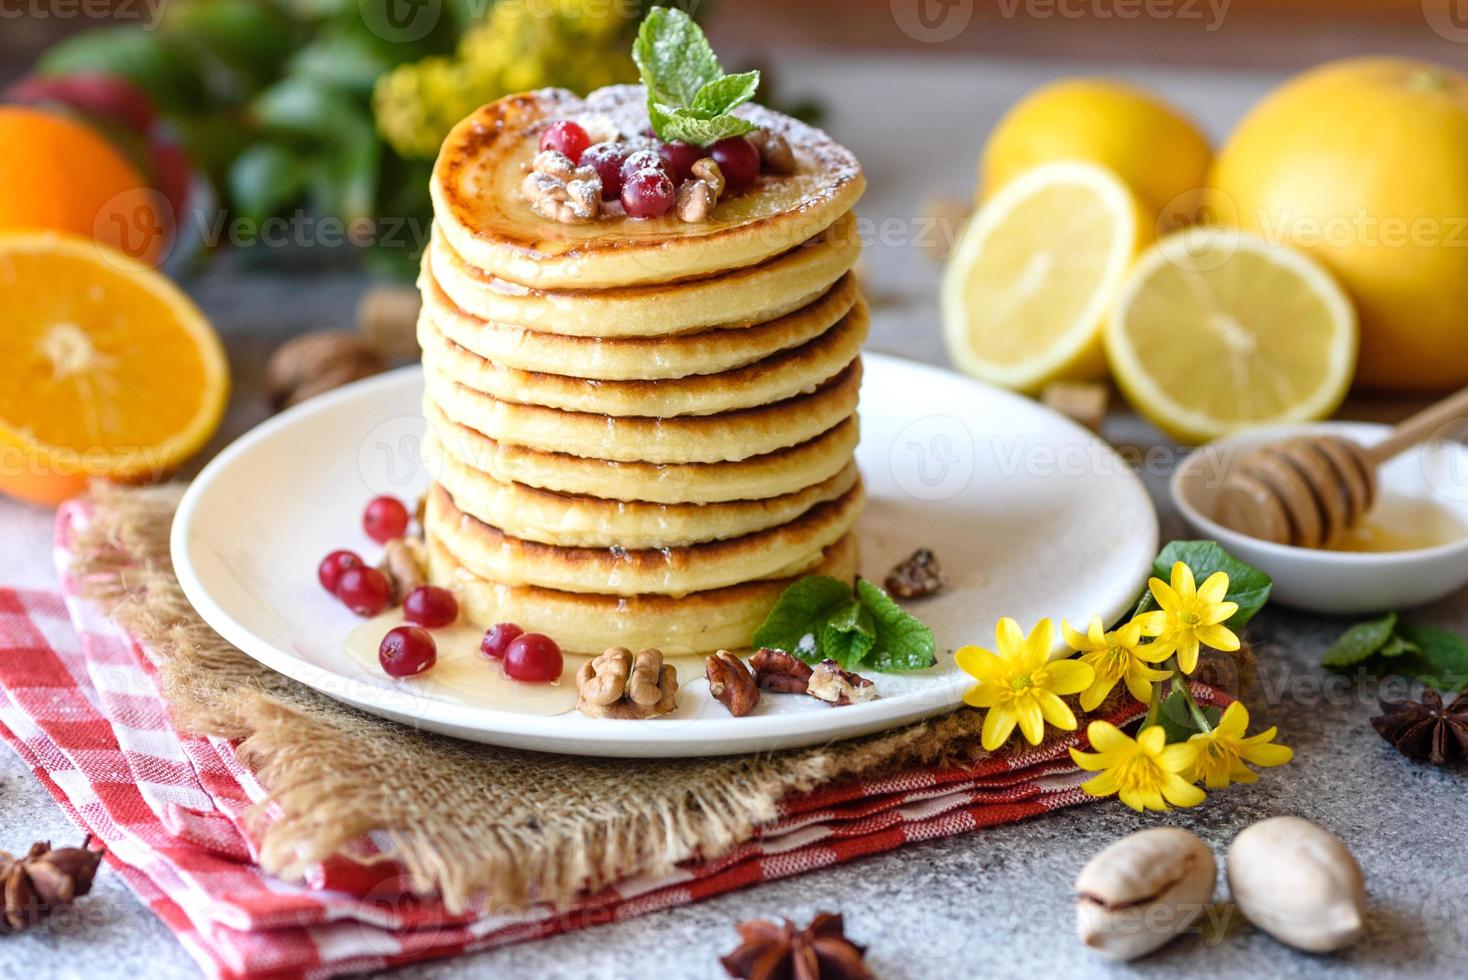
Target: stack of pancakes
641,430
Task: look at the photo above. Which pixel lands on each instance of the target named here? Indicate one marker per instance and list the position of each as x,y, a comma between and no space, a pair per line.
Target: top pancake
484,217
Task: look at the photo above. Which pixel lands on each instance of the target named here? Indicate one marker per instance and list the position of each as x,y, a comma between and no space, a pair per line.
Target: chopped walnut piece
776,670
695,201
917,576
829,683
619,685
774,151
731,683
405,563
707,170
553,163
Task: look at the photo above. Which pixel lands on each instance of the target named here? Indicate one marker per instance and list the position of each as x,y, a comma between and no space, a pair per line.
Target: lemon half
1216,331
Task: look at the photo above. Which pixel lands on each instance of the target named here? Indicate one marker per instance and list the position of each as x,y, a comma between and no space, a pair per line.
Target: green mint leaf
903,641
849,635
1398,647
1444,652
721,95
797,623
1360,642
680,123
674,57
1247,585
1177,721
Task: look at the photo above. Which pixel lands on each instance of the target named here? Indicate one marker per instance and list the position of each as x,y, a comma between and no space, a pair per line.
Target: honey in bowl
1402,523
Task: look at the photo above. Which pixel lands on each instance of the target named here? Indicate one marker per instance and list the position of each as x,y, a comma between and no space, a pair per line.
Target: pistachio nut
1136,895
1297,882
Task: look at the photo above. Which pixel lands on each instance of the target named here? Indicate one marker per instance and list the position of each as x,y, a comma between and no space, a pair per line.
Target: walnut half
838,687
619,685
776,670
731,683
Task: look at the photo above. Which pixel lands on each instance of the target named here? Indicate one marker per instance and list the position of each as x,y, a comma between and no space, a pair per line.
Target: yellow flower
1221,753
1021,685
1116,656
1144,770
1190,616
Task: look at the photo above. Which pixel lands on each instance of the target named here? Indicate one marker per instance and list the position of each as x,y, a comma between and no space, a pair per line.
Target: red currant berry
568,137
738,159
533,657
640,160
678,160
647,194
430,606
329,572
607,160
364,590
498,638
406,651
384,519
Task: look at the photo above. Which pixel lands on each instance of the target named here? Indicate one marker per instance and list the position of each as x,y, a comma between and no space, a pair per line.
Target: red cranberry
647,194
384,519
738,159
566,136
406,651
365,591
498,638
640,160
329,572
533,657
678,160
607,160
431,606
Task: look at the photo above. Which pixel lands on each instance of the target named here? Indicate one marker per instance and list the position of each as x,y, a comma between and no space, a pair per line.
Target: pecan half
619,685
917,576
829,683
731,683
776,670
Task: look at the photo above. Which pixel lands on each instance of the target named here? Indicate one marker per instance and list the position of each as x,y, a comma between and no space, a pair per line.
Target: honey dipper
1309,490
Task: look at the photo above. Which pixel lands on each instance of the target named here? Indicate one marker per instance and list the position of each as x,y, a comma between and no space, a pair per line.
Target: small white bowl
1334,581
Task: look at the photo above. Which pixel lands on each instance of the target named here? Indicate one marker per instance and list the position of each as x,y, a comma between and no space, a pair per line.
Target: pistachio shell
1297,882
1136,895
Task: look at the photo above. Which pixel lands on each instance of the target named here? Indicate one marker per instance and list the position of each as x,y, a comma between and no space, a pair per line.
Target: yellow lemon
106,368
1034,272
1216,331
1364,164
1151,146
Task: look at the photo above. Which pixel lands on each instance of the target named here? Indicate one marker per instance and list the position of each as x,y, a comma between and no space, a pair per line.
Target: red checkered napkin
80,704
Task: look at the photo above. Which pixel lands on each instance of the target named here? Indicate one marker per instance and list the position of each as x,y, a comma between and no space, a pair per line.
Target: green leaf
1247,585
849,634
1444,652
264,179
1360,642
1398,647
903,641
1177,721
797,622
158,64
674,57
679,123
723,94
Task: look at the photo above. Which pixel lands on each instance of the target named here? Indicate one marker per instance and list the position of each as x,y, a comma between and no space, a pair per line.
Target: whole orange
58,175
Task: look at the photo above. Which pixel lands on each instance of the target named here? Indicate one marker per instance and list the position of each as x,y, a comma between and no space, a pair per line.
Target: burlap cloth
483,826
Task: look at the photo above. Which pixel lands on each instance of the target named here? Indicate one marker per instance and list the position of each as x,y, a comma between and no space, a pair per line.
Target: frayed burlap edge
484,827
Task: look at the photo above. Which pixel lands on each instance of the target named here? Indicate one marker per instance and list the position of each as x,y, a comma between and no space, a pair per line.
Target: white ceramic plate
1029,514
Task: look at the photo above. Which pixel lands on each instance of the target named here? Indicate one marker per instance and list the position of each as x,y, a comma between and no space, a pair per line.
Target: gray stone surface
995,903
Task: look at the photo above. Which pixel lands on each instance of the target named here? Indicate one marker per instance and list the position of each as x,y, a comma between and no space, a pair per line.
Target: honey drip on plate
1400,523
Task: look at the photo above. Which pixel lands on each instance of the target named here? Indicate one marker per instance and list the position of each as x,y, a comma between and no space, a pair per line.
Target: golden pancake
779,552
636,358
771,475
579,521
691,439
720,619
733,299
777,377
483,215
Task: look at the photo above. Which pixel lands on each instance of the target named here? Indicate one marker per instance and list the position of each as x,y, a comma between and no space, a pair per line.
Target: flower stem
1154,706
1199,718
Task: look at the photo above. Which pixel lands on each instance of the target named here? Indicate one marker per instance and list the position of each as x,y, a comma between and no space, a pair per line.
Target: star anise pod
1425,729
45,880
780,951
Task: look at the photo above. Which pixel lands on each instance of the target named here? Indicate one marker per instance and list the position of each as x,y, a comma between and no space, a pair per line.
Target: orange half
106,368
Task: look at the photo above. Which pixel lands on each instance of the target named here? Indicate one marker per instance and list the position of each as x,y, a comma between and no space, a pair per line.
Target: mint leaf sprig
818,617
689,98
1434,656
